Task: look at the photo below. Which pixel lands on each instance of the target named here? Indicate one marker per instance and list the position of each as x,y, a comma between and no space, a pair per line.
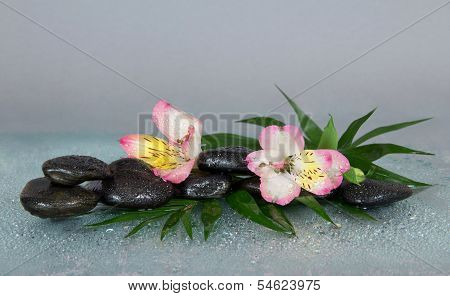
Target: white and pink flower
285,168
174,159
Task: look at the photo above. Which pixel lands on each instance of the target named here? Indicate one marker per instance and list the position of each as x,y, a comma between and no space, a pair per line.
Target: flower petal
282,141
154,151
319,171
178,126
279,188
176,175
263,158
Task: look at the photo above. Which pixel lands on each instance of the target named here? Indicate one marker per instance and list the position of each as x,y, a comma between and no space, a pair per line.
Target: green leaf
243,203
313,204
373,152
141,225
171,222
187,223
263,121
122,218
329,138
277,214
376,172
228,140
386,129
351,210
348,136
354,175
211,212
311,130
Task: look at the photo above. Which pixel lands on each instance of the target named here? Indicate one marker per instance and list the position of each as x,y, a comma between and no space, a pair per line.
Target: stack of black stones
73,185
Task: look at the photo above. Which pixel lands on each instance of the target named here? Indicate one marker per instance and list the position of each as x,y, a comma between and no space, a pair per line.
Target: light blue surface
411,237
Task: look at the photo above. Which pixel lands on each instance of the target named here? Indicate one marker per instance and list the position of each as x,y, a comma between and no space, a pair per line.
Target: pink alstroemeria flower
284,167
174,159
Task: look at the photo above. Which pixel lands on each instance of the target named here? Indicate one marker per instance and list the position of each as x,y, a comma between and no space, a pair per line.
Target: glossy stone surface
44,199
204,185
372,193
250,184
228,159
129,164
137,190
74,169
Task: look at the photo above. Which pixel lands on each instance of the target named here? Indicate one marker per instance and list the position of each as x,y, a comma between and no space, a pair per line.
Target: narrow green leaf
144,223
228,140
171,222
373,152
243,203
277,214
351,210
122,218
311,130
348,136
329,138
314,205
386,129
187,223
263,121
355,176
376,172
211,212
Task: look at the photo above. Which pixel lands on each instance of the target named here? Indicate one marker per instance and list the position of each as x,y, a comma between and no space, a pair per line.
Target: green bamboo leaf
373,152
386,129
329,138
351,210
122,218
228,140
244,203
277,214
171,222
355,176
348,136
211,212
310,129
263,121
376,172
144,223
314,205
187,223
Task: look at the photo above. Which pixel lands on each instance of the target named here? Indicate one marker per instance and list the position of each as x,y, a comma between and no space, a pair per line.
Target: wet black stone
45,199
94,186
204,185
137,190
372,193
129,164
74,169
227,159
251,185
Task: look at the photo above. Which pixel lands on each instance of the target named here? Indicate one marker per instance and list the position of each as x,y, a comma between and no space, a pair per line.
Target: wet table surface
411,237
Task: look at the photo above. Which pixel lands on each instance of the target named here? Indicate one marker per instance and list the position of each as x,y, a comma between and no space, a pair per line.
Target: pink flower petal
176,125
320,171
177,175
283,141
263,158
130,143
278,188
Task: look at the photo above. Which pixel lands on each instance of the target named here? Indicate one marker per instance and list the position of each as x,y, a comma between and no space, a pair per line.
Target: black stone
226,159
94,186
137,190
372,193
251,185
204,185
74,169
129,164
45,199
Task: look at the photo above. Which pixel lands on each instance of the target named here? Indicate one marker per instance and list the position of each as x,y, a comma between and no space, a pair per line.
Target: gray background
216,57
